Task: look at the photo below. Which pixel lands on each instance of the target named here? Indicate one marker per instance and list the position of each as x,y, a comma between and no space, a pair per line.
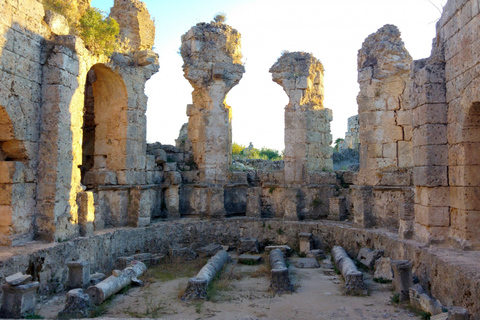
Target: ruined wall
42,106
135,23
307,122
386,158
352,136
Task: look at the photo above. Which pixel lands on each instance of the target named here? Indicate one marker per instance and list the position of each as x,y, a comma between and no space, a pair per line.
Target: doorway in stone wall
104,142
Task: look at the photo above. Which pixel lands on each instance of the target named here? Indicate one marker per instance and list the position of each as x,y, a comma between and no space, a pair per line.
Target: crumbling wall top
301,76
384,52
135,23
212,51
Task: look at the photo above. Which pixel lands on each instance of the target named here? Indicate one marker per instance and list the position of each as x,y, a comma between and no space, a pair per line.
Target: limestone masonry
80,185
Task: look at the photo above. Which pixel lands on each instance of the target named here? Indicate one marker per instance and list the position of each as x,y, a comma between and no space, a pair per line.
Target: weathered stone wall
385,177
307,122
21,57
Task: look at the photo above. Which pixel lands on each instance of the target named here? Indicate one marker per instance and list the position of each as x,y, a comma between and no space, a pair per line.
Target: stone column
307,122
212,65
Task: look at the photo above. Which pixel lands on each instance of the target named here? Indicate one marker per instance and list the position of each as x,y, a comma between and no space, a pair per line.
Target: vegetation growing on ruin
98,32
64,8
253,153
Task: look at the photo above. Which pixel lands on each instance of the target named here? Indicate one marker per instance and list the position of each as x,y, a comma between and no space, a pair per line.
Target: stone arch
12,152
104,142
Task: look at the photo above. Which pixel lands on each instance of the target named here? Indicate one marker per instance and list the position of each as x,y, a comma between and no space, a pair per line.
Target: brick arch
105,123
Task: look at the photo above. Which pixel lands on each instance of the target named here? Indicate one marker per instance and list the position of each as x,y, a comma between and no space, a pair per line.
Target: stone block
123,262
78,274
307,263
383,269
435,197
18,301
367,257
431,155
430,176
86,213
249,259
18,279
77,305
170,166
248,245
160,156
430,134
403,278
317,254
405,154
173,177
432,216
457,313
57,23
305,242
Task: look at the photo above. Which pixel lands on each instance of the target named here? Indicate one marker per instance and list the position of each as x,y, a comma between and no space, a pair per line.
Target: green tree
337,144
99,33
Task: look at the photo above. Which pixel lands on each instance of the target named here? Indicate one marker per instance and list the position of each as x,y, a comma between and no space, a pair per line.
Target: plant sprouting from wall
99,33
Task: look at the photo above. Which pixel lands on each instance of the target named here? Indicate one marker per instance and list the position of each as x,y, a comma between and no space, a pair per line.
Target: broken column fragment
403,278
120,279
77,305
353,278
197,287
213,66
280,281
307,122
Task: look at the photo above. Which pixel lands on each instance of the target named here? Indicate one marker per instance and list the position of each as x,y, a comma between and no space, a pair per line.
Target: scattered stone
97,278
197,287
280,281
157,259
383,269
307,263
18,300
403,279
354,283
248,245
367,257
457,313
421,301
317,254
57,23
441,316
249,259
78,274
210,250
77,305
18,279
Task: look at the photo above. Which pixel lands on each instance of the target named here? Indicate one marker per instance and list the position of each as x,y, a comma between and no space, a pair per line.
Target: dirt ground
242,292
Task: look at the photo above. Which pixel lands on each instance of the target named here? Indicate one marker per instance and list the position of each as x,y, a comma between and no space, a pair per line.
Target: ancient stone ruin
80,188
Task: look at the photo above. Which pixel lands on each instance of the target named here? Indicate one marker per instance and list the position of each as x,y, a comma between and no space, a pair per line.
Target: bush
98,32
237,148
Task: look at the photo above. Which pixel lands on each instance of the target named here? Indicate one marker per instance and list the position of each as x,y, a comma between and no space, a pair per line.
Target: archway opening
104,125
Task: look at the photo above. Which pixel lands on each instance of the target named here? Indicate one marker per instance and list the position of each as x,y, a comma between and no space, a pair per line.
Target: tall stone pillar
212,65
307,122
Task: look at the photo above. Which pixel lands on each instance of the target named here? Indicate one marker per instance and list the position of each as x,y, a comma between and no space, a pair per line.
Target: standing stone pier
307,122
213,66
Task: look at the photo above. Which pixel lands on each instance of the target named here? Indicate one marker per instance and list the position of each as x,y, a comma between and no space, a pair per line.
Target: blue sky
332,31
